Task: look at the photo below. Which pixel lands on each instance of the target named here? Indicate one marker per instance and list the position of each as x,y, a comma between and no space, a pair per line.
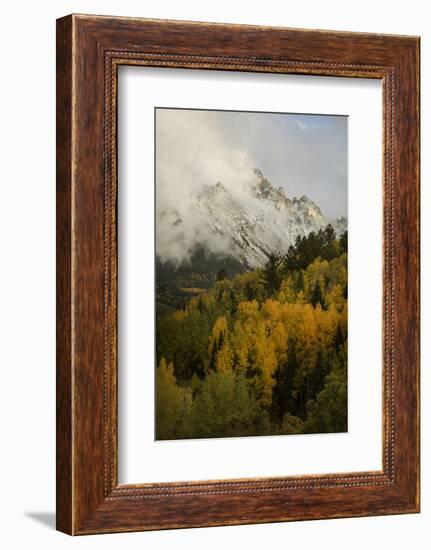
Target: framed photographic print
237,274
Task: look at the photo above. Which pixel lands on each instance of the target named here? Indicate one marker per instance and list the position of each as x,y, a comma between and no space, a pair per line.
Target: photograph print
251,274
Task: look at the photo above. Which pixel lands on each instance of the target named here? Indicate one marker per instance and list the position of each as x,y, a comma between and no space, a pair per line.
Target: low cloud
304,154
191,155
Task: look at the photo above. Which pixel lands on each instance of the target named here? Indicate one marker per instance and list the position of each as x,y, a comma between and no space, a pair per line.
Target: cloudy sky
304,154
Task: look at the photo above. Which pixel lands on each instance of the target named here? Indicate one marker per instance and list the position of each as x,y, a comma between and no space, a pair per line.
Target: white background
27,233
141,458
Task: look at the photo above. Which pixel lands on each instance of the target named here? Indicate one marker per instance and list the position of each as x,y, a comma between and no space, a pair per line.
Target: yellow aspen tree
172,403
224,361
218,338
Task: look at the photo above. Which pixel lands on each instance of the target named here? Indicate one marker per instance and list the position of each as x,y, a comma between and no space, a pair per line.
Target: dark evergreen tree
201,307
282,398
249,292
345,292
306,253
290,260
339,337
299,281
316,296
221,274
215,348
318,374
329,251
343,242
329,234
326,283
234,302
271,274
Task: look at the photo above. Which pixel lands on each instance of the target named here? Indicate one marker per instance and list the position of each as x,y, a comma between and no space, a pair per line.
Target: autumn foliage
263,352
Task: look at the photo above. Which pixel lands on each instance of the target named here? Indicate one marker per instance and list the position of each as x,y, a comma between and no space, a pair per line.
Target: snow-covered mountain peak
261,188
246,222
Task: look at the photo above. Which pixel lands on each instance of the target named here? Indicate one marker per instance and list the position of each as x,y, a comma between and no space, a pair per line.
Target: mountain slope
247,223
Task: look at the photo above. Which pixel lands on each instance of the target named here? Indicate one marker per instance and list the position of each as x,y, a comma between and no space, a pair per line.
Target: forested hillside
261,352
